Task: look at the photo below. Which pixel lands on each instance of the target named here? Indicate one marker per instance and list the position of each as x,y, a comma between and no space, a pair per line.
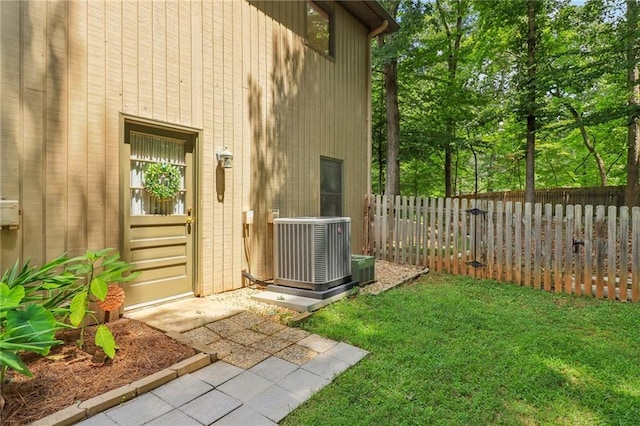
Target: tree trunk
390,71
529,195
448,176
632,193
591,147
392,186
452,67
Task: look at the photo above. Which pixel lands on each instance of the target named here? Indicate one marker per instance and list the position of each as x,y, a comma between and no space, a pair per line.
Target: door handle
189,220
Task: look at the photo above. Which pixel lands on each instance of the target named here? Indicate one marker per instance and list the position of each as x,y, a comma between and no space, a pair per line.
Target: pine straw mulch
69,375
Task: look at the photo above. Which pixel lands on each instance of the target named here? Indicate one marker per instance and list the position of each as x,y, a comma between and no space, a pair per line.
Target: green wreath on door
162,181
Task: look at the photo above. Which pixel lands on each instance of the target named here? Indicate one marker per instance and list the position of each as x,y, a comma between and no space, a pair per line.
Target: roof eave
371,14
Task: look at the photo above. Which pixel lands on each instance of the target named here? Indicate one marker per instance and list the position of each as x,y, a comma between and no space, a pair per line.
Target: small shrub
94,271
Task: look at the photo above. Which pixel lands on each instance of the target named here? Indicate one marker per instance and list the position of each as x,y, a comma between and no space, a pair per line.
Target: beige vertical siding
240,71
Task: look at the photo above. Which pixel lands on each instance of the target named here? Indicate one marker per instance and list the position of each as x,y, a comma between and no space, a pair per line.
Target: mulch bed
69,375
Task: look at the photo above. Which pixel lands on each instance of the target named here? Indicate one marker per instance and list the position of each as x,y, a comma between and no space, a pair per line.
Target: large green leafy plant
27,320
37,302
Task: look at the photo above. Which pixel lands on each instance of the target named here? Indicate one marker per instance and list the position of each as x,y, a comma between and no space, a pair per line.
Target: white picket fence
573,249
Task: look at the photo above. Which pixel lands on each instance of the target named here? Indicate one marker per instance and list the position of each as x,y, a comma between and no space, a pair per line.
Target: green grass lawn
455,350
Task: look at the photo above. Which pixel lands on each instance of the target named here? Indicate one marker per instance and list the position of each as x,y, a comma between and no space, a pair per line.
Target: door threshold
158,302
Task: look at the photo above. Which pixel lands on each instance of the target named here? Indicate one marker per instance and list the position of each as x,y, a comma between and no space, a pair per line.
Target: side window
319,29
330,187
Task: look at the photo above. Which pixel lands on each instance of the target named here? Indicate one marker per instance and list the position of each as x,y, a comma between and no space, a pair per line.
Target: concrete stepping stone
246,357
317,343
182,390
217,373
202,335
347,353
173,418
225,327
245,386
210,407
244,416
271,344
268,327
275,403
225,347
292,334
296,354
248,319
326,366
303,383
246,337
274,369
139,410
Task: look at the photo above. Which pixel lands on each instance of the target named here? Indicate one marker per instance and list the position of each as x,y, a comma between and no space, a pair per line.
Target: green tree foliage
478,115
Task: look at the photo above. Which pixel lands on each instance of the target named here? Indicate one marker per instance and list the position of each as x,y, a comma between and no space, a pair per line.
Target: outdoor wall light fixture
225,158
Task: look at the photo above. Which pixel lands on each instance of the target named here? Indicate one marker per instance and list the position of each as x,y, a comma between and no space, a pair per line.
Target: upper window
319,29
330,187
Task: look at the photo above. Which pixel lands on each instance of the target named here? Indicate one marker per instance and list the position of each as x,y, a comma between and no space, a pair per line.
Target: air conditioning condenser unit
312,253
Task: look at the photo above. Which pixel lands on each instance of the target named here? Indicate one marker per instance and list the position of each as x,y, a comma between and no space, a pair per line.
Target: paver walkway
265,371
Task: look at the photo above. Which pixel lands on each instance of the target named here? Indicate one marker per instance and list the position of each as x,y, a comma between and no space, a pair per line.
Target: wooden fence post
527,244
400,229
537,261
441,232
577,250
366,206
557,265
490,257
455,237
379,241
396,229
471,270
588,249
480,235
624,253
447,235
464,268
635,254
500,233
432,234
425,232
600,251
417,232
508,238
548,216
611,252
517,242
385,227
567,271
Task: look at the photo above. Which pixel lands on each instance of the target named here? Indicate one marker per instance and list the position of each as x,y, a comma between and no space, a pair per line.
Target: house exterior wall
238,71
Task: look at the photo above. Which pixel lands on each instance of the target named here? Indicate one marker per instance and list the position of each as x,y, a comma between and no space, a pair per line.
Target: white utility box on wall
9,214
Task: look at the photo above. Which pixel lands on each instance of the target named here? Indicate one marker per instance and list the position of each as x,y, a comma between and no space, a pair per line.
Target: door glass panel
147,149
